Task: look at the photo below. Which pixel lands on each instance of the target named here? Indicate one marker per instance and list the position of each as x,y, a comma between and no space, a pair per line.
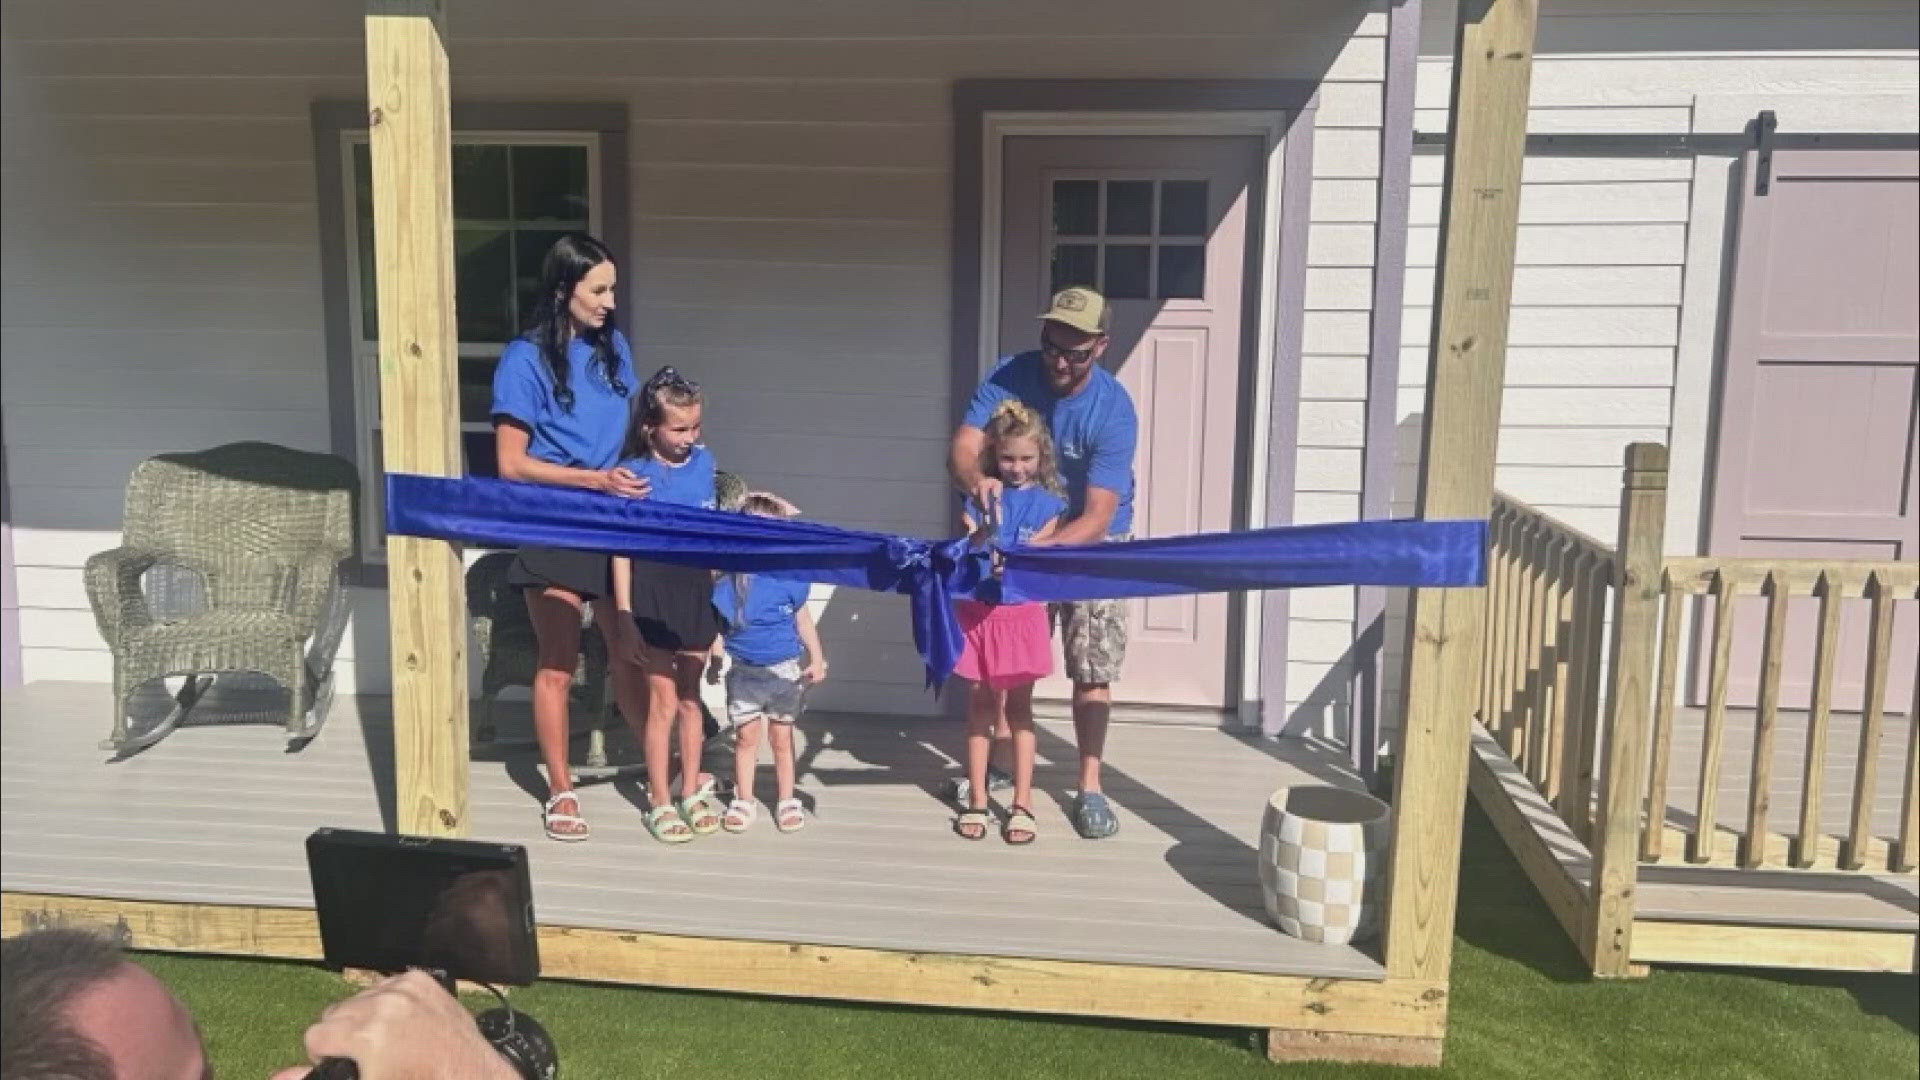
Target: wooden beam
1540,841
410,132
1486,145
1347,1007
1623,776
1734,945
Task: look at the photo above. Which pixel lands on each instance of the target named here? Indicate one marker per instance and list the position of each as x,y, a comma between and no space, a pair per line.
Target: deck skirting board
1746,945
1403,1009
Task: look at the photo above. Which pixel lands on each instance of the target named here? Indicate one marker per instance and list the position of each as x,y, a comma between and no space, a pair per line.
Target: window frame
353,359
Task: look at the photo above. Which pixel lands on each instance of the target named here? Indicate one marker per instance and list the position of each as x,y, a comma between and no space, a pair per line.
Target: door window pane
1129,208
1183,270
1075,264
1129,267
1076,207
1183,208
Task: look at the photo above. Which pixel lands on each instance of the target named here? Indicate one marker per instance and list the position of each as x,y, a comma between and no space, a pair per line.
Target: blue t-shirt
587,437
689,483
762,631
1094,430
1024,511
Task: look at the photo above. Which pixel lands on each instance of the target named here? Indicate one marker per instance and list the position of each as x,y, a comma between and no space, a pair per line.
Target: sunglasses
1072,356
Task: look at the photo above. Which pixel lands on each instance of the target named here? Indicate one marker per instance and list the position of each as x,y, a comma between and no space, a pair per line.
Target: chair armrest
306,587
113,589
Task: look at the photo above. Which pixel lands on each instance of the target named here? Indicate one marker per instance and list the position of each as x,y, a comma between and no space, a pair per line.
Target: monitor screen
389,903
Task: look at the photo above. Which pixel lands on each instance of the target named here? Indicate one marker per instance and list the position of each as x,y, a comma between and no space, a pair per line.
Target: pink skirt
1006,646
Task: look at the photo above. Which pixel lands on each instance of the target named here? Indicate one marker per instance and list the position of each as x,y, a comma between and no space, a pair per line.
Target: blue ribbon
501,513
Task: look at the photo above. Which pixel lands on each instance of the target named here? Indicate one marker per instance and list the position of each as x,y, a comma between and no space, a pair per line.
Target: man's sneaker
959,789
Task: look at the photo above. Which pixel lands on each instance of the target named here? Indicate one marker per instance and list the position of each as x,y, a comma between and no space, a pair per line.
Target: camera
461,910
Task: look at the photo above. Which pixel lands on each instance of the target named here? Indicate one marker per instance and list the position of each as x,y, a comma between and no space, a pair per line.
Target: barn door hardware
1763,128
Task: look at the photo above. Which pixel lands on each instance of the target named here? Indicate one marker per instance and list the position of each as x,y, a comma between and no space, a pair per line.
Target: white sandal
549,818
741,814
790,815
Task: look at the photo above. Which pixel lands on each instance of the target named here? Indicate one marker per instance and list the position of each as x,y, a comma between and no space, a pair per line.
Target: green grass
1521,1008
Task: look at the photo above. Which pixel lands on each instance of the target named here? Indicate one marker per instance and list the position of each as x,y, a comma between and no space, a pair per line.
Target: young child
776,656
671,606
1006,647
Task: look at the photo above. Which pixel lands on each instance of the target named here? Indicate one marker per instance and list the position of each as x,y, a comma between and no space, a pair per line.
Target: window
513,195
1130,239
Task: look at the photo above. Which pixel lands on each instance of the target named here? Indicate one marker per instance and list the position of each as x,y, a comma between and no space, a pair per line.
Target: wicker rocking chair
229,562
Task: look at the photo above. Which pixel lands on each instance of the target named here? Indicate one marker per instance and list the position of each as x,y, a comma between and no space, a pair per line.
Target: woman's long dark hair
550,327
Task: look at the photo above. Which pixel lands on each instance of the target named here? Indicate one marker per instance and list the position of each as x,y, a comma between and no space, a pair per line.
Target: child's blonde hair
1015,419
767,504
758,504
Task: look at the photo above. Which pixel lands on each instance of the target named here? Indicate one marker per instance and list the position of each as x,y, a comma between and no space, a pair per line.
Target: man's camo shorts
1093,636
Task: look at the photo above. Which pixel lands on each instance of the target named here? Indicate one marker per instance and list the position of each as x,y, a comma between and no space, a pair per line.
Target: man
1094,430
72,1007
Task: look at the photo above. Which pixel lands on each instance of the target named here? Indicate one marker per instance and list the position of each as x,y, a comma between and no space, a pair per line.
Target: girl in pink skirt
1007,647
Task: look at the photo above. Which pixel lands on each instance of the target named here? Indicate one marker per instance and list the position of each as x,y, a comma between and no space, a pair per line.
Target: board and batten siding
1613,275
789,199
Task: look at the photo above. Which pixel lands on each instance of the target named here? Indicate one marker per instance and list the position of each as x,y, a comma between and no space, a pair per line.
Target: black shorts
673,606
583,573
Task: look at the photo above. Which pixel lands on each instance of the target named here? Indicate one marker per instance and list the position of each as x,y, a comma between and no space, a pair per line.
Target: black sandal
972,819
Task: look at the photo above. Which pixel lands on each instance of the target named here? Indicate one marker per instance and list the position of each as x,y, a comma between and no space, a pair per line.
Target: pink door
1816,450
1160,226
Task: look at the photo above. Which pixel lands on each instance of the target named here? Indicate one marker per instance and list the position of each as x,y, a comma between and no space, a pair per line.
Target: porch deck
216,815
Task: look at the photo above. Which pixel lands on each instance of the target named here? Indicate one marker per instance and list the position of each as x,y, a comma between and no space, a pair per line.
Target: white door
1161,226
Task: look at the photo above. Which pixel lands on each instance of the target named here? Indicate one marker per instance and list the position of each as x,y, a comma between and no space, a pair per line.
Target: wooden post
1702,840
1866,774
1673,603
410,132
1636,616
1492,67
1753,845
1806,840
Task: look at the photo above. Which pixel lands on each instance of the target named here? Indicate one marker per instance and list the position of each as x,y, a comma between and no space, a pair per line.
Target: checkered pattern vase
1322,859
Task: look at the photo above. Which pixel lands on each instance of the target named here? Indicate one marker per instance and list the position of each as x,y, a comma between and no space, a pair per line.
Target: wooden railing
1581,687
1882,586
1548,587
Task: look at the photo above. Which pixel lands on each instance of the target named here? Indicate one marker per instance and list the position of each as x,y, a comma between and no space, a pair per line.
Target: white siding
1336,328
1606,247
789,198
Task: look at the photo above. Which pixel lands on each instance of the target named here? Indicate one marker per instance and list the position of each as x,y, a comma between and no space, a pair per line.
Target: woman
560,409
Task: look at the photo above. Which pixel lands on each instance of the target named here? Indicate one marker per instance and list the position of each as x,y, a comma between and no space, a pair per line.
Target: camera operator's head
73,1008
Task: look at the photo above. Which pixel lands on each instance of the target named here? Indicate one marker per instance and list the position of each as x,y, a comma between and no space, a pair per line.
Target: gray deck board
218,812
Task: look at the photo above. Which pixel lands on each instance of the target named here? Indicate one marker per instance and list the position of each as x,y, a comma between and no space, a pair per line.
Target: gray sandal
1093,816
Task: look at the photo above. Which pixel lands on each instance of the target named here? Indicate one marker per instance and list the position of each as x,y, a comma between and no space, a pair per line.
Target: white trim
1269,125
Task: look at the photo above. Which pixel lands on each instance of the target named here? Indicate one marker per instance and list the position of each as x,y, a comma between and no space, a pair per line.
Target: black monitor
389,903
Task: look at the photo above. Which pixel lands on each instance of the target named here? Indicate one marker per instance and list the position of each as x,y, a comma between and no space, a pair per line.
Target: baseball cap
1079,307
